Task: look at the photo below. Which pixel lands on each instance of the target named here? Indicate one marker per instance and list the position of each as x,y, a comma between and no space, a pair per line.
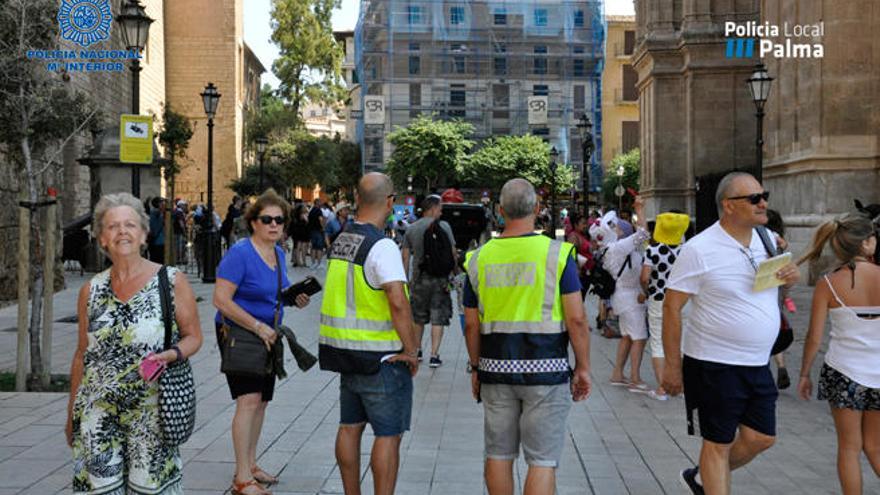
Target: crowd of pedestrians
689,300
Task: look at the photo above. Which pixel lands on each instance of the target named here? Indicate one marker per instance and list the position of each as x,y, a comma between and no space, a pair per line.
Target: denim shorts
532,415
383,399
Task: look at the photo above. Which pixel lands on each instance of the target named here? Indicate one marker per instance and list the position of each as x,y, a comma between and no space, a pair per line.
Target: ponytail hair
845,234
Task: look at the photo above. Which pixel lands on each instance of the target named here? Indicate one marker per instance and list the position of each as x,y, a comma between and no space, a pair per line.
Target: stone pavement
618,442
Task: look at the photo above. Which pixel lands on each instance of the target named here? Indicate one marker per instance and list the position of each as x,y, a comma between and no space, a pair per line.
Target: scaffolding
480,61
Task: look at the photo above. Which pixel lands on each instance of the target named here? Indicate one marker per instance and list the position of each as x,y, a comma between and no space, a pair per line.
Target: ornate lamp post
554,155
210,98
585,127
759,85
261,150
135,30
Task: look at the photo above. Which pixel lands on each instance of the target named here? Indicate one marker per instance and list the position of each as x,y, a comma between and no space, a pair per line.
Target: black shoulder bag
177,388
786,334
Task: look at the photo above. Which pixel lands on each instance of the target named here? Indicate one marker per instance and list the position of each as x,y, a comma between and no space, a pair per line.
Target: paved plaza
617,442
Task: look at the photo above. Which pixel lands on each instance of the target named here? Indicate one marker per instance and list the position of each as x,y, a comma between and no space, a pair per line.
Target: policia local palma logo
795,40
85,22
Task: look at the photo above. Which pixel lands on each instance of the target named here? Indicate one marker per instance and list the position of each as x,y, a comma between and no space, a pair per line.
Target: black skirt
243,385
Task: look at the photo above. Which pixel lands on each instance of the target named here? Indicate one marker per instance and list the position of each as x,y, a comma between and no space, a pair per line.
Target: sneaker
654,395
435,362
688,478
420,355
782,379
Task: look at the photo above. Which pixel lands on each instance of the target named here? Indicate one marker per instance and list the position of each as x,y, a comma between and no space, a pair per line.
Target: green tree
630,164
272,119
249,182
507,157
175,135
40,116
310,61
429,149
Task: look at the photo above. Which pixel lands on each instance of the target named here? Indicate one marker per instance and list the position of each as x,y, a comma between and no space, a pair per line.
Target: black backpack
600,281
437,260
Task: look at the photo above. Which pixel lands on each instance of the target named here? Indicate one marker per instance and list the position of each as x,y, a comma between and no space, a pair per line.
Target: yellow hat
670,228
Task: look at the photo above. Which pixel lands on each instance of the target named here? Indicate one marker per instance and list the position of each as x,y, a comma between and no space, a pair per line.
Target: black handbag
177,388
786,333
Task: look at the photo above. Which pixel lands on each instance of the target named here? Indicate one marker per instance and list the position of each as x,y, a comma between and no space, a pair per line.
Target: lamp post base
211,256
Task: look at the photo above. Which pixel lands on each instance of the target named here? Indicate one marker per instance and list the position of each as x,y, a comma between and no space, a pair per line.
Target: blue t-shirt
257,283
570,282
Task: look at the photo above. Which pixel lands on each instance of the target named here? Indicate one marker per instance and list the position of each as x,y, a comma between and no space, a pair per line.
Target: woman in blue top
245,293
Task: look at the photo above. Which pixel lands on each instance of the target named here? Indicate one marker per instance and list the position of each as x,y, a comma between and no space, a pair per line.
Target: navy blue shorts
383,399
317,238
726,396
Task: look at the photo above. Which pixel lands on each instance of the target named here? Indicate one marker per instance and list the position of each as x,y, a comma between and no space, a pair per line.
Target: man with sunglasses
728,338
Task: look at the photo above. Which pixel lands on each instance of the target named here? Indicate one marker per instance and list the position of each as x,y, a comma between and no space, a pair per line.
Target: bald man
367,336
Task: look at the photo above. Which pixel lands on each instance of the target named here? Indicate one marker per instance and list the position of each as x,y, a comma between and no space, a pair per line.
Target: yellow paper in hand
766,276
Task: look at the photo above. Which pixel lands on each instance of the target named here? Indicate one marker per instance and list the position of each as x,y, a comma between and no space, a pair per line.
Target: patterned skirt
842,392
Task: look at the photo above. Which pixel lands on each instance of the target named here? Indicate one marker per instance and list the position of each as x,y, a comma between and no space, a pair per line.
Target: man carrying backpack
429,247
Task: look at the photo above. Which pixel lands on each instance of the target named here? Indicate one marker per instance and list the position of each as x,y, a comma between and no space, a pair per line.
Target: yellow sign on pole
135,139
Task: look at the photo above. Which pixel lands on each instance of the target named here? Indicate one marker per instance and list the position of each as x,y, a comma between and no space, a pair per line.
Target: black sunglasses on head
754,198
267,219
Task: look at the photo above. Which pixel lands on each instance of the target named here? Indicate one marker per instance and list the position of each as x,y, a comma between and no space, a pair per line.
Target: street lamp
409,184
585,127
759,85
261,149
210,98
135,30
554,155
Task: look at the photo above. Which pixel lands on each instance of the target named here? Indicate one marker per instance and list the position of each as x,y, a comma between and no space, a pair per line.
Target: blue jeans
384,399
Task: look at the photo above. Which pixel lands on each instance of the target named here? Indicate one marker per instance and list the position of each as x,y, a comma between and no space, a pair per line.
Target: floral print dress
117,437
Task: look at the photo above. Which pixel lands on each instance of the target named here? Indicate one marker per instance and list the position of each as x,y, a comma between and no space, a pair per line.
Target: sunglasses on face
267,219
754,198
393,196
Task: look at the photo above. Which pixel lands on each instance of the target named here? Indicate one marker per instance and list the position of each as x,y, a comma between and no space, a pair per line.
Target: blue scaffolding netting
480,61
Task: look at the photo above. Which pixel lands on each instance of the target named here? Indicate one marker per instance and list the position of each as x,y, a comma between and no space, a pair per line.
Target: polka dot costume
660,258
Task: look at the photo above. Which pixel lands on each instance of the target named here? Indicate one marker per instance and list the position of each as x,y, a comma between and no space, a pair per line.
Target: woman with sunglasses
246,295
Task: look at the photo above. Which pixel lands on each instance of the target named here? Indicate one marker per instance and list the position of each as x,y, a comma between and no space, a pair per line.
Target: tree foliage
174,136
630,162
310,61
429,149
503,158
272,119
249,183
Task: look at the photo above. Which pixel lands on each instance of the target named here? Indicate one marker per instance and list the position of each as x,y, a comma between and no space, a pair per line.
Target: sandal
252,486
263,477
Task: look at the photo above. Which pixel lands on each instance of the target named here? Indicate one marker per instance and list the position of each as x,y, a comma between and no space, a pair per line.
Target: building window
500,17
578,67
630,133
500,66
578,18
630,78
458,64
456,15
541,17
414,47
629,42
540,90
415,99
415,14
579,97
374,149
313,113
540,64
577,50
499,47
415,65
457,100
500,101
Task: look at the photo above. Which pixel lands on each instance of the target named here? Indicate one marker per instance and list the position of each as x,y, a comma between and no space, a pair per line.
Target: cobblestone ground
617,442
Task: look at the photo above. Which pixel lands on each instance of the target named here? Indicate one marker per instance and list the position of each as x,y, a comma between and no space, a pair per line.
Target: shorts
655,328
317,239
842,392
633,323
383,399
243,384
534,415
430,300
727,396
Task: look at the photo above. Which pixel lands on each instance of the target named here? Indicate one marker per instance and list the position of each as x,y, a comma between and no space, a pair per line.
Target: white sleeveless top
854,349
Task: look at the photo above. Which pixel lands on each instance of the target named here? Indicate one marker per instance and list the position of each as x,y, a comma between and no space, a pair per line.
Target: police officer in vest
522,293
367,336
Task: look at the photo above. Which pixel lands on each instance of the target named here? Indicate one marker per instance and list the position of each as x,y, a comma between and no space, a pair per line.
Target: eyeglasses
266,219
393,196
754,198
748,254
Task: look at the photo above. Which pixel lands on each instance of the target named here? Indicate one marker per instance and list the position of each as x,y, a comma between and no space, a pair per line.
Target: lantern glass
211,99
135,25
261,145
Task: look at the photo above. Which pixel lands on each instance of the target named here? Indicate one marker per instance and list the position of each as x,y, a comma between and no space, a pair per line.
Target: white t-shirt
728,322
384,264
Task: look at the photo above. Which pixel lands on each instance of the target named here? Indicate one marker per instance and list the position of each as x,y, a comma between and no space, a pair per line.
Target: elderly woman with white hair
623,260
113,422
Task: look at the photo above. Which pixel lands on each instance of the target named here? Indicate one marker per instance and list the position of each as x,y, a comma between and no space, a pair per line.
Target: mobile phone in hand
151,368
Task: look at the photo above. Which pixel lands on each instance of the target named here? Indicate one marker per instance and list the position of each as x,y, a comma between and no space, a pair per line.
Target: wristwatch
473,367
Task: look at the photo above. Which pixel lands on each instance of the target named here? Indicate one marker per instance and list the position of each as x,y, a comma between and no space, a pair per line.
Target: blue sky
257,30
